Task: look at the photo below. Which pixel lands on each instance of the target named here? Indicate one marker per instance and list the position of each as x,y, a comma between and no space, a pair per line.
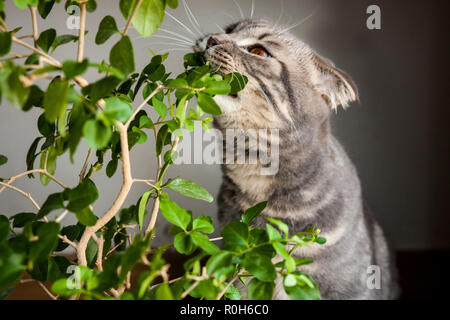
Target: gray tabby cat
293,89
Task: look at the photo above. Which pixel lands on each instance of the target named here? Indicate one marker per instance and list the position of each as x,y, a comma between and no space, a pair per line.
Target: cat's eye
259,51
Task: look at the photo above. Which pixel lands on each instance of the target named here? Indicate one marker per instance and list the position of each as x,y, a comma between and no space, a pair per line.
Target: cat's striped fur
295,90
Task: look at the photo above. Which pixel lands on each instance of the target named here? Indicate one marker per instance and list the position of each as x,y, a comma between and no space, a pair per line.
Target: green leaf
142,207
273,233
97,134
82,195
5,229
22,4
149,17
161,138
160,107
181,109
111,167
117,109
45,128
217,87
63,39
172,3
51,164
142,135
281,225
11,86
55,99
106,29
184,244
73,68
45,7
219,260
203,242
289,280
203,224
31,154
86,216
260,290
174,213
54,201
122,56
158,74
260,266
189,189
126,6
11,267
47,234
5,43
46,39
101,88
163,292
232,293
303,291
176,83
145,122
208,104
3,159
237,82
235,235
251,213
20,219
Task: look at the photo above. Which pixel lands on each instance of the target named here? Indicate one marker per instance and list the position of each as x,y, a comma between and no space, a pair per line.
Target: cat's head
288,82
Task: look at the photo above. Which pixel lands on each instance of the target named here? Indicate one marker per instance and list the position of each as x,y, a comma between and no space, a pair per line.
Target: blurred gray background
397,135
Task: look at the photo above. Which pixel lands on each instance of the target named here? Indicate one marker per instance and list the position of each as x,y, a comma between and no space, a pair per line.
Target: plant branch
42,171
130,19
25,194
99,262
227,286
118,202
51,295
81,31
86,163
35,25
66,240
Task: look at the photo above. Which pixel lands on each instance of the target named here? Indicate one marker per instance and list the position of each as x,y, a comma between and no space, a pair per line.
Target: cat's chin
228,103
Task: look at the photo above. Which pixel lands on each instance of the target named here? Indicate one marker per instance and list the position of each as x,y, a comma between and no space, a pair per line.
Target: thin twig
47,291
86,163
35,25
25,194
42,171
99,262
130,19
227,286
66,240
61,216
81,31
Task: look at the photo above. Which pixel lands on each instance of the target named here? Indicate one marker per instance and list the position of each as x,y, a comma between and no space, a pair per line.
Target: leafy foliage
102,114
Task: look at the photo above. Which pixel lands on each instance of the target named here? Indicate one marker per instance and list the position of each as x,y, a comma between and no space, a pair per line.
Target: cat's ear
335,86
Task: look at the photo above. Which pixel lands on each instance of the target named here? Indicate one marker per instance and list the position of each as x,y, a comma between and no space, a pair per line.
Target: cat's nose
212,41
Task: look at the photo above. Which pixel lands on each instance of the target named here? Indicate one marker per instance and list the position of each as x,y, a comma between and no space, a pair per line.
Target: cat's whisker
280,15
180,23
220,28
296,24
253,9
240,9
192,18
177,35
172,44
172,49
173,38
